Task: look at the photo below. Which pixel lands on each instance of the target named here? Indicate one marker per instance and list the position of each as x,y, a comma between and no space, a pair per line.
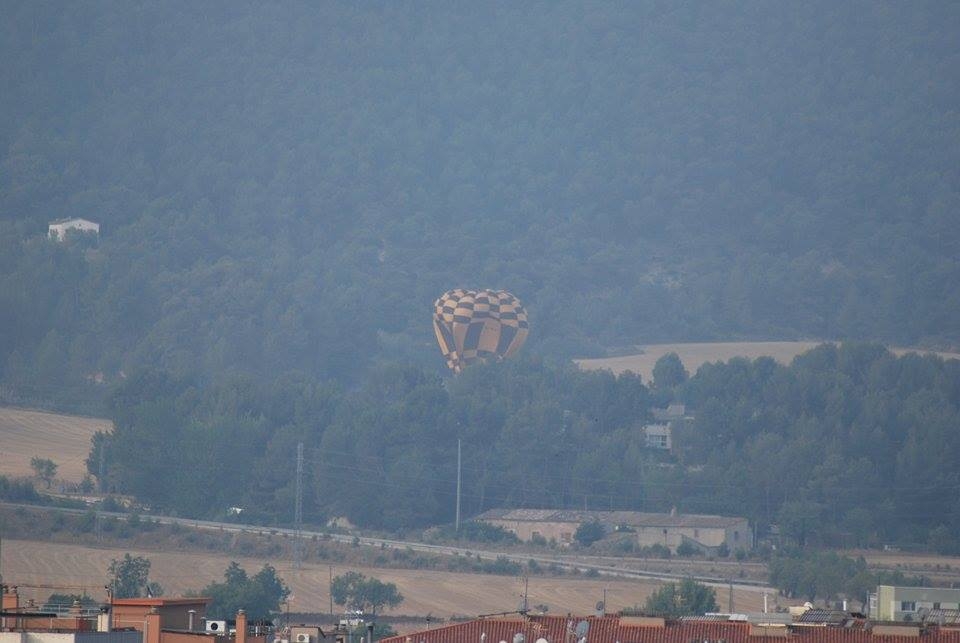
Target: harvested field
442,594
908,561
695,355
65,439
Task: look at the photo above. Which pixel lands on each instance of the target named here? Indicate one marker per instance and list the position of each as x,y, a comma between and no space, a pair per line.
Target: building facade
70,637
175,613
893,603
59,229
126,620
658,436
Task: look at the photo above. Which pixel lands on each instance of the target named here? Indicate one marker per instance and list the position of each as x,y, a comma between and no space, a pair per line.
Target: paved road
566,562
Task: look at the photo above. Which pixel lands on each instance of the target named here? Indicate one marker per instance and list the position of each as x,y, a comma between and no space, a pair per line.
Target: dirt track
65,439
442,594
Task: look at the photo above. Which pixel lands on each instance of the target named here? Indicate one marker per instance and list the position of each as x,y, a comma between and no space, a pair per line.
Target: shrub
502,566
18,490
655,551
110,504
58,522
480,532
589,532
686,548
87,522
86,485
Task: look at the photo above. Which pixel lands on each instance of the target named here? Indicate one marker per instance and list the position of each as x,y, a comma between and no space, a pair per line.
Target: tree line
735,172
847,445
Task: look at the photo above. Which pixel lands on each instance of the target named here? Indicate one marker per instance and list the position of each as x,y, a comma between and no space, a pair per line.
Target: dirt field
908,561
442,594
695,355
65,439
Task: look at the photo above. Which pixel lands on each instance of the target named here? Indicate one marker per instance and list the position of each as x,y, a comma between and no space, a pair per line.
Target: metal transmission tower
298,511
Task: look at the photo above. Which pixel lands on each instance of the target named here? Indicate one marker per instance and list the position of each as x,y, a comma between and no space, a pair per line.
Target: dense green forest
846,446
283,191
286,188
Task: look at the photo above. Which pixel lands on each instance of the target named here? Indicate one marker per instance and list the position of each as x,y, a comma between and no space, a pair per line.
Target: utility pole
730,601
330,587
458,486
102,484
298,510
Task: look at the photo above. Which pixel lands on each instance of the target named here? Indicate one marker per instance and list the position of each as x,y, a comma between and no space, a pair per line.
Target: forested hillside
287,187
846,446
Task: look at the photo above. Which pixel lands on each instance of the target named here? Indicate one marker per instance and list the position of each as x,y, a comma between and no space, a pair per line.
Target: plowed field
65,439
696,355
442,594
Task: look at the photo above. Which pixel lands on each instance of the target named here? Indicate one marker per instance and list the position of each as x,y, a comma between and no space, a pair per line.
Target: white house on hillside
58,229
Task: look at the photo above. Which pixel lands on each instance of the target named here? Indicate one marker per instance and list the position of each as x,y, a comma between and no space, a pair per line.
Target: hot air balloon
475,325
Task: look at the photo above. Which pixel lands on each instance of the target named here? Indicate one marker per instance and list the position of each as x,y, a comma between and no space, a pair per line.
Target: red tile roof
610,629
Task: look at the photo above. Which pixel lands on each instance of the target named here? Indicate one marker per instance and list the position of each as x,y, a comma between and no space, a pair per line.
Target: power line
382,461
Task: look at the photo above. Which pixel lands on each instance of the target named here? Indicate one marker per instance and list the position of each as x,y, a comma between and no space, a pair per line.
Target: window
908,606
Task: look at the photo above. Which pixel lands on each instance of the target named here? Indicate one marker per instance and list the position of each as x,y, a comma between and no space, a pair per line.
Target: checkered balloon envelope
478,325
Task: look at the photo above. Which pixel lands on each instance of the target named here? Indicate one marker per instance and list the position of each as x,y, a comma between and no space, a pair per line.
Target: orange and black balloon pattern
475,325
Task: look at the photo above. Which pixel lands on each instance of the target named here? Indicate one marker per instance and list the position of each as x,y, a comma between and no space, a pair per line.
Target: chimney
152,627
11,600
9,603
241,634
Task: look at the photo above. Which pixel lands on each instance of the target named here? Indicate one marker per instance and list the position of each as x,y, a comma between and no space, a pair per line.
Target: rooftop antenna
582,628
